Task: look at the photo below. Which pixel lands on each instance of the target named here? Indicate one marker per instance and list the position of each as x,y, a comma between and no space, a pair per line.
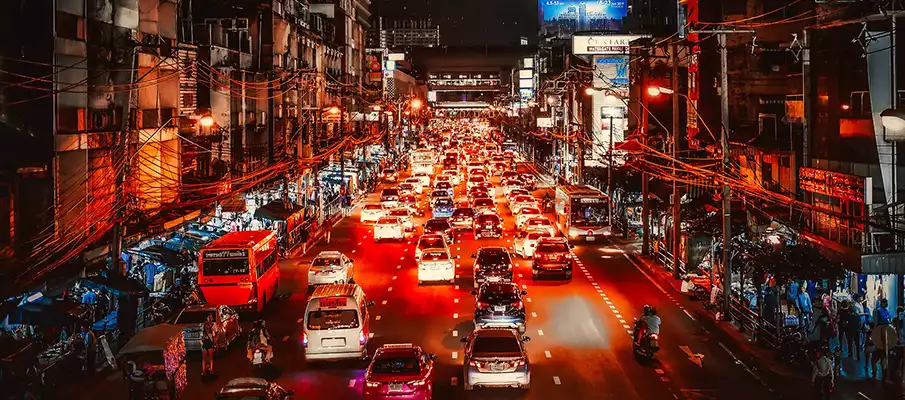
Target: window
70,26
227,266
266,263
332,319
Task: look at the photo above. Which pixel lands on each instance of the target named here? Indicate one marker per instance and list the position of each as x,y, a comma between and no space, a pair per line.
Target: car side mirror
526,339
433,356
370,303
472,256
474,292
524,292
351,260
463,340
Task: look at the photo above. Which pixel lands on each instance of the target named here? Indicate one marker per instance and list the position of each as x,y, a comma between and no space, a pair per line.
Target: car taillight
361,337
520,363
419,382
517,304
474,363
304,339
372,384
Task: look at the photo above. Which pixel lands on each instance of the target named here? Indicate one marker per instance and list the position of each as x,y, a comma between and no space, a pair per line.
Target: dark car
553,256
492,264
443,208
488,225
253,388
499,304
462,218
439,226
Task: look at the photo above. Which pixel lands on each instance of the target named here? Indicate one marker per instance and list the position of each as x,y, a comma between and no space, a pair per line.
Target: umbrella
115,283
153,339
884,337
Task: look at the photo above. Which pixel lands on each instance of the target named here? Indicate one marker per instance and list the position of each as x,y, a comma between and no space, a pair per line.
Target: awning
153,339
277,211
45,312
630,146
116,284
167,257
881,264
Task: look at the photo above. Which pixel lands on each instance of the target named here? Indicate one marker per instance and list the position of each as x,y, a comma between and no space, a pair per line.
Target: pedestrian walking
805,307
88,340
208,342
823,376
850,324
881,316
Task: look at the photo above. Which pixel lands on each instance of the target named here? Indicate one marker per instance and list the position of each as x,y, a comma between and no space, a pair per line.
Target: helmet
648,309
653,311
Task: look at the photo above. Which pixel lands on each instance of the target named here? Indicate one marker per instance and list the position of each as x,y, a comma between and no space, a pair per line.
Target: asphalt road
580,329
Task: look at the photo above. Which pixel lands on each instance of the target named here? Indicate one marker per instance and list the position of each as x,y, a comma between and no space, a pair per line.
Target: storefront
286,220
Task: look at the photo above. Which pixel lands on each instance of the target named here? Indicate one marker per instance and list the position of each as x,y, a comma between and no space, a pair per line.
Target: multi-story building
408,33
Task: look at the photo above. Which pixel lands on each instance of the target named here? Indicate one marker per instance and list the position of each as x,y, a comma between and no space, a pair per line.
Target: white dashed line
457,287
629,331
533,315
528,299
455,333
618,315
556,381
299,321
390,289
351,382
377,318
456,301
524,286
609,302
621,321
612,307
689,315
547,354
626,326
455,355
659,371
383,302
455,315
540,332
519,275
394,277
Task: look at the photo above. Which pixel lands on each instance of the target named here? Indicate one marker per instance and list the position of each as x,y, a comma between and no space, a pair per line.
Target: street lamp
893,119
206,121
654,91
416,104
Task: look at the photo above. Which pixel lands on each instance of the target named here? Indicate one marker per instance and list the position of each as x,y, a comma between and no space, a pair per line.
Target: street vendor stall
154,363
285,220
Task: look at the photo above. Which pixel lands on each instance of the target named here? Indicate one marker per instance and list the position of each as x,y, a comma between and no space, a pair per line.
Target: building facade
408,33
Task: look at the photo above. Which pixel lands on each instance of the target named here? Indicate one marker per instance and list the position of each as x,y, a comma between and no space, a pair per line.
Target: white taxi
404,216
388,228
425,179
429,241
525,243
330,267
416,183
372,212
522,201
526,213
539,224
436,265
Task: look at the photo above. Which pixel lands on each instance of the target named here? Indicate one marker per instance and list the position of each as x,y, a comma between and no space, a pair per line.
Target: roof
337,290
277,210
329,254
239,239
154,338
580,190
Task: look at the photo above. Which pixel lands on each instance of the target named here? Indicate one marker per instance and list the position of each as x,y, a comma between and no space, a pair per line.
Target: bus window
226,266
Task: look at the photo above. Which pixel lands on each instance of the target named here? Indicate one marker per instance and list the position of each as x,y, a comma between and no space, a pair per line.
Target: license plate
590,238
334,342
395,387
499,308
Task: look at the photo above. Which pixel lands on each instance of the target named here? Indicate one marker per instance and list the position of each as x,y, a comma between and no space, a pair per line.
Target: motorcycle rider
259,338
649,322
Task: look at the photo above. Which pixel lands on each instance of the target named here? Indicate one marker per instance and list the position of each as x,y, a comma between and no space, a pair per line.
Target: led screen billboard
561,18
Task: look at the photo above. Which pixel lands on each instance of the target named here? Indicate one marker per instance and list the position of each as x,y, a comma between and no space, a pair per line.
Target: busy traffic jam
468,273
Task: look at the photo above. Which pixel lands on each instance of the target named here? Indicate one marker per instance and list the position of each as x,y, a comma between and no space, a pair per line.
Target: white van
336,323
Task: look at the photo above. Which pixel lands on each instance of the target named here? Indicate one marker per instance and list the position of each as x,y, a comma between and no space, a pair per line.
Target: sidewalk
760,358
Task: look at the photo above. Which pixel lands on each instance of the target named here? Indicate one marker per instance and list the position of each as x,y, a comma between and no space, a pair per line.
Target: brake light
304,339
372,384
482,304
361,337
419,382
520,363
474,363
517,304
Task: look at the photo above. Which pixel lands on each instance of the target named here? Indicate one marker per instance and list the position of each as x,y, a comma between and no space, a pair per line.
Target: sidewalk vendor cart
286,219
153,363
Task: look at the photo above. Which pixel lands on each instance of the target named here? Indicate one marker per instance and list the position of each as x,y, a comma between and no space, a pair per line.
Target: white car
436,265
511,185
416,184
485,205
445,185
425,179
539,224
330,267
516,193
372,212
404,216
429,242
406,189
388,228
475,180
525,243
453,175
521,202
526,213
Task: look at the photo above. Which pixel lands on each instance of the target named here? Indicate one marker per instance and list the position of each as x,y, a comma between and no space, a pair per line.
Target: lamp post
655,91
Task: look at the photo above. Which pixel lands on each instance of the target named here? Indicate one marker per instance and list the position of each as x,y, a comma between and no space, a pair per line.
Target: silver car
496,357
192,318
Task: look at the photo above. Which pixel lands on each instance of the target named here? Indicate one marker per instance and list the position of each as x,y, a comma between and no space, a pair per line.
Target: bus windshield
225,266
590,214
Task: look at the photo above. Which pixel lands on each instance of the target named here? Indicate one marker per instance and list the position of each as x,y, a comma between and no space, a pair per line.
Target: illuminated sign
222,254
589,200
432,96
396,56
525,74
602,44
526,83
528,62
562,18
389,65
833,184
333,302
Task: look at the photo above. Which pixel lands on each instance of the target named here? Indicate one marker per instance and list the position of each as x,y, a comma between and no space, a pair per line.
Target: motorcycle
259,360
648,345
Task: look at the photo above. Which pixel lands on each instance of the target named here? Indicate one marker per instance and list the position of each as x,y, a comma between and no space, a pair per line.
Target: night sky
469,22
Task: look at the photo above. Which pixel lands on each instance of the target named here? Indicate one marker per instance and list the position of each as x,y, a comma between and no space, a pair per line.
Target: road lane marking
524,286
540,332
556,381
456,301
455,315
455,355
398,267
629,331
351,382
457,287
599,291
618,315
626,326
659,371
455,333
383,302
533,314
299,321
394,277
547,354
390,289
612,307
519,275
454,381
608,302
864,396
688,314
378,318
664,379
621,321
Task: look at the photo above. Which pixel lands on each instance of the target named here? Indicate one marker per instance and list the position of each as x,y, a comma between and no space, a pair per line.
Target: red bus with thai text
240,270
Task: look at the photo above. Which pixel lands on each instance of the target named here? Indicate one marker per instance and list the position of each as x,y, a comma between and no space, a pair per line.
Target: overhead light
590,91
893,119
206,121
333,110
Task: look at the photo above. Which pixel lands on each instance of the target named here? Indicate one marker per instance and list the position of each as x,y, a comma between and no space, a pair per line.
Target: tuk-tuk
153,363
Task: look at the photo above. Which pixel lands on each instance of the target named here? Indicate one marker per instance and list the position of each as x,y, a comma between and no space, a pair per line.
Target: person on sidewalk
871,355
823,375
89,341
882,316
208,343
850,324
805,307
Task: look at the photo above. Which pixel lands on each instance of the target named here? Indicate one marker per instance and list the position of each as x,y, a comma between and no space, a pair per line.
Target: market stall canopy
277,210
155,338
115,283
168,257
44,312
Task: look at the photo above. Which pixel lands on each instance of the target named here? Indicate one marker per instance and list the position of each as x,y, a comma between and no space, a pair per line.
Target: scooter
259,359
648,346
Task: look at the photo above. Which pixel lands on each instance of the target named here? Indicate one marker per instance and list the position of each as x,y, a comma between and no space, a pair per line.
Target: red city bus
240,270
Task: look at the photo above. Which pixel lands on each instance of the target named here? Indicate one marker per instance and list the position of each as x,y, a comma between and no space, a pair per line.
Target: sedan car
529,181
485,205
478,194
439,194
492,264
400,371
487,225
372,212
443,208
330,267
406,189
496,357
454,176
388,228
439,226
525,243
192,318
412,204
389,175
511,184
389,197
553,257
475,180
526,213
416,183
539,224
429,241
253,388
424,178
499,305
447,186
462,218
405,217
436,265
516,193
522,201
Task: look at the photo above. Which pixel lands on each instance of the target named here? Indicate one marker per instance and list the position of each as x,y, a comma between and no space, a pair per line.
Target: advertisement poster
561,18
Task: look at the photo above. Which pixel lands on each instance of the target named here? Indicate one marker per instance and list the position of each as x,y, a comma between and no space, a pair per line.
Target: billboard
561,18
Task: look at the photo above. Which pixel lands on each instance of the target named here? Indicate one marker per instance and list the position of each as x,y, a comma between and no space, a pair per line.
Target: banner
562,18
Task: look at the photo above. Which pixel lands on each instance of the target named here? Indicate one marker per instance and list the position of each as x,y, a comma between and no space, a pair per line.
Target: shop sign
224,254
333,302
589,200
833,184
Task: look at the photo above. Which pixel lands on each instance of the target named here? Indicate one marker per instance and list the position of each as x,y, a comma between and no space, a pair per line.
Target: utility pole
645,189
676,204
609,176
579,139
806,102
122,161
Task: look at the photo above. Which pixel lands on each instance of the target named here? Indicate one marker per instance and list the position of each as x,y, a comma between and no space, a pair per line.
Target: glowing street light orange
376,108
333,110
206,121
416,104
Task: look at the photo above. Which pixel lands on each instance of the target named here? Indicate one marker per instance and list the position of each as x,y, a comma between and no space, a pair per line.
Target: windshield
476,178
499,294
435,256
439,193
390,192
332,319
396,365
495,344
427,243
492,257
529,211
389,171
589,214
467,212
437,225
552,248
538,222
407,186
399,213
523,199
537,236
193,317
443,203
388,221
228,266
373,207
483,202
518,193
488,219
326,262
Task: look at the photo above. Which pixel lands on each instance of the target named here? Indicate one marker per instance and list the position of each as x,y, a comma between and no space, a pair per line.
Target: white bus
582,212
423,161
